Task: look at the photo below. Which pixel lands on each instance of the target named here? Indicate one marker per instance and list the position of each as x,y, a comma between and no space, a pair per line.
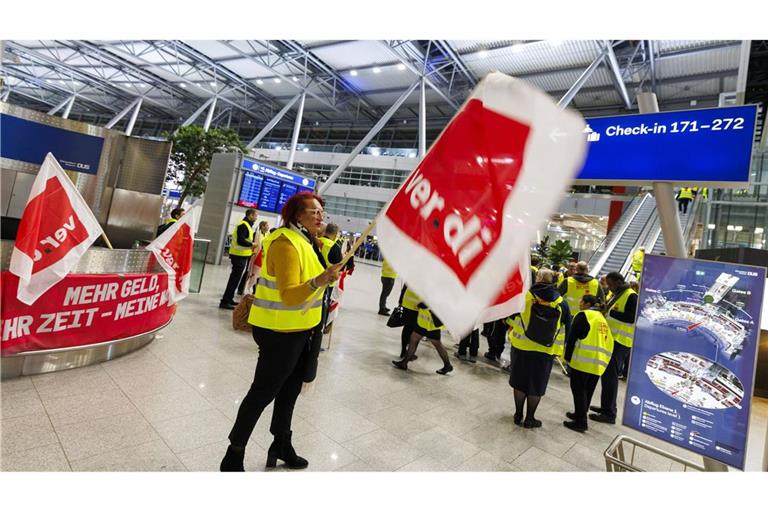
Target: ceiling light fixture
295,79
483,54
759,231
377,70
555,42
711,226
183,86
260,81
277,80
353,72
401,67
213,84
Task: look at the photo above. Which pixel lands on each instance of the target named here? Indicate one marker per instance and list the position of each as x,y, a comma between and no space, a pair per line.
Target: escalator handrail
595,269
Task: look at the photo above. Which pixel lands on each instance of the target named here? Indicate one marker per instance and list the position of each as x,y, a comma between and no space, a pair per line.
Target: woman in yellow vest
684,196
427,326
533,356
620,315
410,303
291,275
588,351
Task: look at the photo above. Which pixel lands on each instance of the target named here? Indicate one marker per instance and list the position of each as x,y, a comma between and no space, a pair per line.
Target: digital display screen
268,188
706,145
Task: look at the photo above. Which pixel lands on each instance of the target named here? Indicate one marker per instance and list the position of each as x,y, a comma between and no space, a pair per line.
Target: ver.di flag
173,250
56,229
458,226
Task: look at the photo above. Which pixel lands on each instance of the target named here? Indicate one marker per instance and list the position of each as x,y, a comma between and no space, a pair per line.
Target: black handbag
397,318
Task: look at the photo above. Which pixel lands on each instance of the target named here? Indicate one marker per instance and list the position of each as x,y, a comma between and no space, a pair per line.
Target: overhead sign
28,141
692,146
266,187
693,362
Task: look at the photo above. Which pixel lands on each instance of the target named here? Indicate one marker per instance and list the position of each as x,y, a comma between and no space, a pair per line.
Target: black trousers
471,341
583,386
682,205
235,277
386,288
609,382
409,316
497,335
279,375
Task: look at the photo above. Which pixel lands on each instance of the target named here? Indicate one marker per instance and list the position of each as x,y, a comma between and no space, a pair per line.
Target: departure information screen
706,145
267,188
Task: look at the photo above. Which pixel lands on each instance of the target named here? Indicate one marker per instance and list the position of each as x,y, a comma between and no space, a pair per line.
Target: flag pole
106,240
344,260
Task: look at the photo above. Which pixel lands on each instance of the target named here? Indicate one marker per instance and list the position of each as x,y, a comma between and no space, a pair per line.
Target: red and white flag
56,229
173,250
337,292
458,226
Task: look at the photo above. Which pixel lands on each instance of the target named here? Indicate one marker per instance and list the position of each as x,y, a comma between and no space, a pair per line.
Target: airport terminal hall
344,256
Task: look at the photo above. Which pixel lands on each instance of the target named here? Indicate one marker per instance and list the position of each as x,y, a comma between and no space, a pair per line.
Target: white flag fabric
458,226
173,250
56,229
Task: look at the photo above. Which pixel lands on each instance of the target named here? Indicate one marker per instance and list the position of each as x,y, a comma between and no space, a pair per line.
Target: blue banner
267,188
28,141
694,353
691,146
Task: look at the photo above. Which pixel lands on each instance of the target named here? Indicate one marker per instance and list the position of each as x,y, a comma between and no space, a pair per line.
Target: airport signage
83,309
694,353
707,146
29,142
267,188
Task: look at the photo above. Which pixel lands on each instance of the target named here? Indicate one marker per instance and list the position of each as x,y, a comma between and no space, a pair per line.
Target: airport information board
691,146
267,188
29,142
694,353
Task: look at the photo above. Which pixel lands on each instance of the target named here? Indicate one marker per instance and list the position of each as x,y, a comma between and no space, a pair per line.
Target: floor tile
90,406
20,403
95,437
17,384
401,422
44,458
195,430
26,432
322,452
537,460
443,446
171,405
153,456
151,384
208,457
73,382
382,450
341,424
425,463
483,461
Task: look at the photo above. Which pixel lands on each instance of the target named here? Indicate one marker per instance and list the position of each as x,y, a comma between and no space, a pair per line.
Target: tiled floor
170,406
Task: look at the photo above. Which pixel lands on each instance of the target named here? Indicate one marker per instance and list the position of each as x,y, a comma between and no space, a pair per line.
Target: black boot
282,449
233,460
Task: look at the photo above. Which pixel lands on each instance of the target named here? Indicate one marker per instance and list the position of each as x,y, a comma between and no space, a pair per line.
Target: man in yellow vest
240,252
572,289
388,276
588,352
621,310
684,196
637,261
176,214
330,250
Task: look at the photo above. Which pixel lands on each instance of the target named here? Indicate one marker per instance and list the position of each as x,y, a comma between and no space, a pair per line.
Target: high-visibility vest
623,332
637,261
516,335
410,300
426,321
238,250
686,193
170,221
387,270
576,290
560,278
327,244
268,310
593,353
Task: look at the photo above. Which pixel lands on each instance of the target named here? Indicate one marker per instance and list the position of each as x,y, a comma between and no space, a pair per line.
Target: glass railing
597,260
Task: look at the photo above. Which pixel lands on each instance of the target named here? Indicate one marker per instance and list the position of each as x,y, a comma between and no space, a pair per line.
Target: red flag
458,226
56,229
337,292
173,250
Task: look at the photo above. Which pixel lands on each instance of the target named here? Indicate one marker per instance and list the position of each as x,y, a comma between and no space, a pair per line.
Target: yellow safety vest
268,310
560,278
171,221
387,270
593,353
576,290
686,193
705,192
238,250
426,321
516,335
623,332
637,261
410,300
325,251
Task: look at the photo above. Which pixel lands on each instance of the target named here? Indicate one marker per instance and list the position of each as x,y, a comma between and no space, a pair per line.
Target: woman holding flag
291,276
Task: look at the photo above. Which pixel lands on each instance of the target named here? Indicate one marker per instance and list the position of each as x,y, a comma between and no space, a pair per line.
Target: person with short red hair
283,325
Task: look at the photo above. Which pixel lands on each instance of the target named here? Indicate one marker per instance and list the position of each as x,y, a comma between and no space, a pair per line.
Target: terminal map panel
704,146
267,187
694,353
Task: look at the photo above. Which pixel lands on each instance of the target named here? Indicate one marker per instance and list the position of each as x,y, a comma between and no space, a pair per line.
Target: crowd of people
584,323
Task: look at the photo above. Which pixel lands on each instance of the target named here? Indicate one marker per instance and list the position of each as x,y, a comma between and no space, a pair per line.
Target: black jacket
242,236
630,310
549,293
579,331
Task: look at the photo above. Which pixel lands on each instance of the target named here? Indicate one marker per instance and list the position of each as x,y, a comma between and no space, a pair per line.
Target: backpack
543,323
